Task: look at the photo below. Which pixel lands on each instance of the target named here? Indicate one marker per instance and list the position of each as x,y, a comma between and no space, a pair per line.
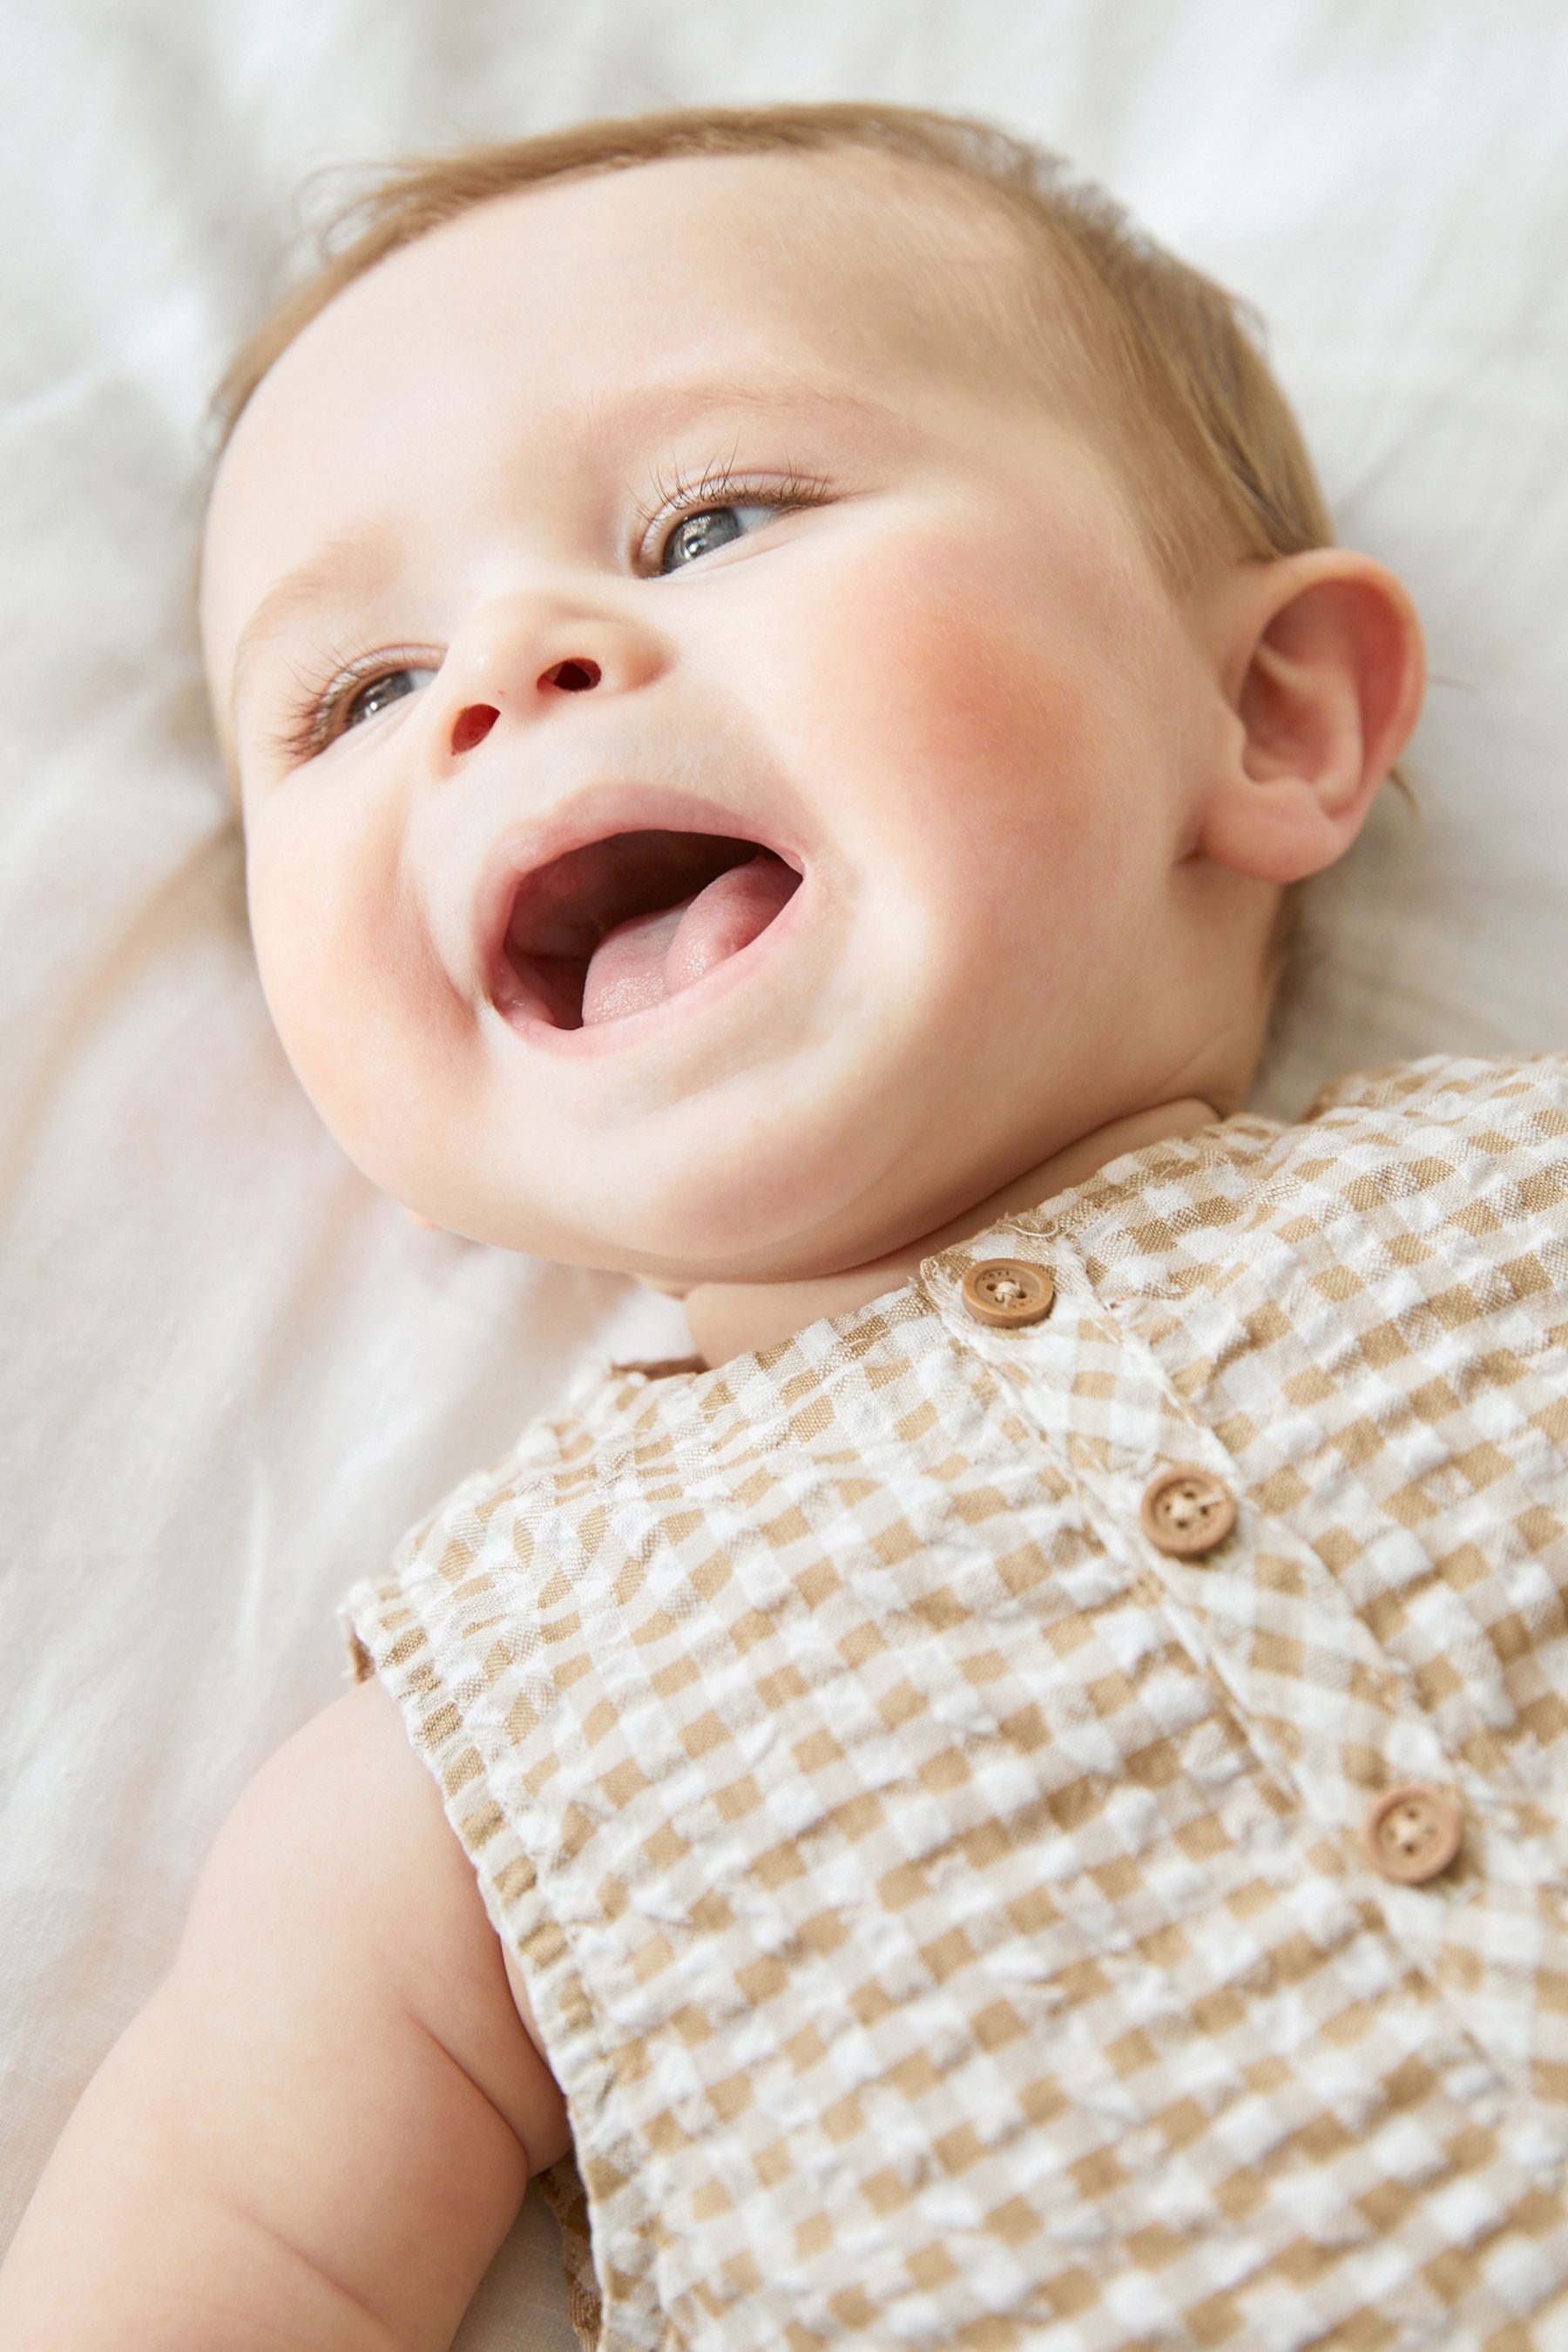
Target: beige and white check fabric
945,1912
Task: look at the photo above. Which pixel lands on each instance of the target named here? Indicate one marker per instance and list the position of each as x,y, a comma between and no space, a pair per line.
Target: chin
671,1244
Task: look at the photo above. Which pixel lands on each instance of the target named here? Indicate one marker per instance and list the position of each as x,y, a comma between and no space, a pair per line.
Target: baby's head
845,570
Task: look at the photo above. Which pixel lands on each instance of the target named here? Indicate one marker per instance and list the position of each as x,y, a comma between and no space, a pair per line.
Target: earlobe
1323,667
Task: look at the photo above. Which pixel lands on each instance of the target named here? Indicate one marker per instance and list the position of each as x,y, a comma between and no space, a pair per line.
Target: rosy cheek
959,697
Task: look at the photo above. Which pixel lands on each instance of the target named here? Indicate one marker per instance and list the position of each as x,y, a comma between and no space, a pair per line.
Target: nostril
472,726
572,677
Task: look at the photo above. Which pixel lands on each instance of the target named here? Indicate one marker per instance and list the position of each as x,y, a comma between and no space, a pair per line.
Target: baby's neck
730,1319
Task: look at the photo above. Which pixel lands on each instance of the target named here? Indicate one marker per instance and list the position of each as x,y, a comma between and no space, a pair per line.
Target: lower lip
633,1028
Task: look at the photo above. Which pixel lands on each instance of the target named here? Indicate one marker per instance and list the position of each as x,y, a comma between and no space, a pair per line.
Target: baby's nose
474,721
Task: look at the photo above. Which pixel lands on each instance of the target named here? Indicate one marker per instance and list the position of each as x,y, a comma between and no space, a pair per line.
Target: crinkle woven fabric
947,1913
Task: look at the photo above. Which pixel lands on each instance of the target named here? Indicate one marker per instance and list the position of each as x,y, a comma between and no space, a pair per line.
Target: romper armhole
361,1665
365,1612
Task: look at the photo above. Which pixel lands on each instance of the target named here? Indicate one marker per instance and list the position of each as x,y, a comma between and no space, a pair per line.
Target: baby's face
875,775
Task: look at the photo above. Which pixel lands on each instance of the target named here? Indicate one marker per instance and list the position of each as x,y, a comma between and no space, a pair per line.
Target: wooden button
1187,1511
1006,1292
1412,1834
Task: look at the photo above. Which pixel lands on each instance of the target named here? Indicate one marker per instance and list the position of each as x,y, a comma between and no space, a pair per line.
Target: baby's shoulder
1474,1145
569,1467
1457,1160
1521,1092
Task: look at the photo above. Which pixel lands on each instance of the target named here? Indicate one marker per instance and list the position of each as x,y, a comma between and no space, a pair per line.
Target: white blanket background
233,1373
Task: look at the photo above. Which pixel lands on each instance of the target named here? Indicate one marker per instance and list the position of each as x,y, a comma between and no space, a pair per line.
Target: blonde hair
1156,357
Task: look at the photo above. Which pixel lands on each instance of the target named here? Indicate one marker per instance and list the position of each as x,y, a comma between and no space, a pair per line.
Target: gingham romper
1032,1813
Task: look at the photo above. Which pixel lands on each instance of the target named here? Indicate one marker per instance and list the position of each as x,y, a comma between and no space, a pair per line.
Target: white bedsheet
232,1373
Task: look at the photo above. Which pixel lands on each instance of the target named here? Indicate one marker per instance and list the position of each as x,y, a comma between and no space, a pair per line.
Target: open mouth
623,924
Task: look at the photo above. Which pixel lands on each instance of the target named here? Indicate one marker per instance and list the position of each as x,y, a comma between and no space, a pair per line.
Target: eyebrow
660,401
337,561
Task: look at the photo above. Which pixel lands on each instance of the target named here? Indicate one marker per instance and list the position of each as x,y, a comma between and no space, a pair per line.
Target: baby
782,669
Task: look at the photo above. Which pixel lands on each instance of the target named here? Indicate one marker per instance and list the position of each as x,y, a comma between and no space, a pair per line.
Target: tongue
651,957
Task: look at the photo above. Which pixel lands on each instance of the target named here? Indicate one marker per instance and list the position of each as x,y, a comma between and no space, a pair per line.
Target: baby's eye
695,534
377,693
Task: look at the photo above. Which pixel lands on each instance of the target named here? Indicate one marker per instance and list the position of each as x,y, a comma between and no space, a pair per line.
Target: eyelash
313,721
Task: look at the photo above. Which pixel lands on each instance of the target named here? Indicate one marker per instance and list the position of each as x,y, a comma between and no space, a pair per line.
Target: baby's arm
319,2131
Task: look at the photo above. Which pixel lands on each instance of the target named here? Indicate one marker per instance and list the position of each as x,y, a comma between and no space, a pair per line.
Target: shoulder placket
1101,1402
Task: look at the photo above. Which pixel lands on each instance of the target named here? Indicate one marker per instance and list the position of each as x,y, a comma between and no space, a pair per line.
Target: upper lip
594,815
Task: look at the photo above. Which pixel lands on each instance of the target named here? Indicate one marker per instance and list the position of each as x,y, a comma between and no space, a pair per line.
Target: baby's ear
1321,663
